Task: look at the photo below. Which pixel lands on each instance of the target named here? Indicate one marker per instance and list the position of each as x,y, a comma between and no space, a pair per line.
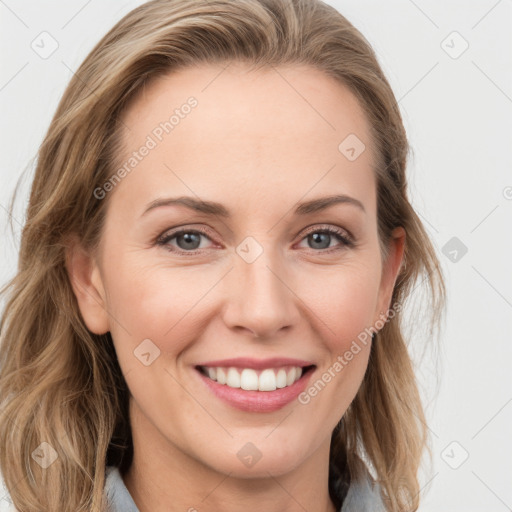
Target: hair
61,383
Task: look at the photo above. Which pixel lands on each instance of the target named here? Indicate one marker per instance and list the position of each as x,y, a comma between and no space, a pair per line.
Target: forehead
236,96
279,128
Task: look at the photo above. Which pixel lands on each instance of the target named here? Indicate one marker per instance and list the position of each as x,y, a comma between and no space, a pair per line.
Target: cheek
344,300
155,302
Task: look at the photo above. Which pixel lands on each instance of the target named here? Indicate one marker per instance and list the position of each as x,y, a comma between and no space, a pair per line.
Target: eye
321,238
187,240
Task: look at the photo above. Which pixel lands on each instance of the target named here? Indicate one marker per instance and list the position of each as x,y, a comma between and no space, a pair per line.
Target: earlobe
85,278
391,269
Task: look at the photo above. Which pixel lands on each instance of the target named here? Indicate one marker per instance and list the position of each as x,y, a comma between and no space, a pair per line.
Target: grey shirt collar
362,496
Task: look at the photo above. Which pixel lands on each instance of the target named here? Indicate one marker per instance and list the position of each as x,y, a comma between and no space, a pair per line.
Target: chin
257,460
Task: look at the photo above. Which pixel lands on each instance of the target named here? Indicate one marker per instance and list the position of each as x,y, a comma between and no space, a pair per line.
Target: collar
362,495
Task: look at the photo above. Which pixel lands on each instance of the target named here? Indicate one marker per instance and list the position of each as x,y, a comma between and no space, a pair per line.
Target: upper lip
257,364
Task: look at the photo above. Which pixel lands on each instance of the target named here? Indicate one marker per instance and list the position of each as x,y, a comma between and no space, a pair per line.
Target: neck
273,496
169,479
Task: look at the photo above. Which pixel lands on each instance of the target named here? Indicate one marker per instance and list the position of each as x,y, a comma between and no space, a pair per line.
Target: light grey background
457,110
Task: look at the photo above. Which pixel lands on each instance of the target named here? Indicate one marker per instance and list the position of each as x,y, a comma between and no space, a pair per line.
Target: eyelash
341,235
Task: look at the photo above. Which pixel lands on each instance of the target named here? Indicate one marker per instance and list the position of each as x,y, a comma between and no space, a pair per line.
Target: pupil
317,239
190,238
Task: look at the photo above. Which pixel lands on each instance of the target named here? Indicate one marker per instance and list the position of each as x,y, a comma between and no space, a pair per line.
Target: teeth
290,377
233,378
249,380
221,376
267,380
281,378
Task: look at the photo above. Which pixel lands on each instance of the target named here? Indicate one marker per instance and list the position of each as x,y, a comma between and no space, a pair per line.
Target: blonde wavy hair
60,383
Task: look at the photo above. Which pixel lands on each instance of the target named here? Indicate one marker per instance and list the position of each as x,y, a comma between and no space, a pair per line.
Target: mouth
252,379
262,390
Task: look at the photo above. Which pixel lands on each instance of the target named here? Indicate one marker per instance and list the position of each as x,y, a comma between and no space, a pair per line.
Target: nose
261,299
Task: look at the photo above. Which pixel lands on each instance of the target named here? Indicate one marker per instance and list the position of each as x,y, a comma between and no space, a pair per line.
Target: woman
217,250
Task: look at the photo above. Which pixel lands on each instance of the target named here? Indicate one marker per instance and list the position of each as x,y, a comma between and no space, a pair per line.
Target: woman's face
256,276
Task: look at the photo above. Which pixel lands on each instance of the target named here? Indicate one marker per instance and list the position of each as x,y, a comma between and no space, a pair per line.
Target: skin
258,142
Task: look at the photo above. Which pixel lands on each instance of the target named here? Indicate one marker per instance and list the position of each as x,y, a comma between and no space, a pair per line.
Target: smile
268,379
255,390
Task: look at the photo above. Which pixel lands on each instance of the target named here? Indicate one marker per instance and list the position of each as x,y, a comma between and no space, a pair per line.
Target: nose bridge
260,299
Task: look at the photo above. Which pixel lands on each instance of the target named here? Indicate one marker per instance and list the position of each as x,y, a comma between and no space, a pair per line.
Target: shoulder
363,494
5,500
118,497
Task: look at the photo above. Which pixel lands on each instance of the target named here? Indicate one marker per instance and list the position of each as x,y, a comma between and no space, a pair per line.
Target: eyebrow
218,209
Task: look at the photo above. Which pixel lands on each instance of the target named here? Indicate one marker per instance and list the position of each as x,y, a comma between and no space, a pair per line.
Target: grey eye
190,240
320,240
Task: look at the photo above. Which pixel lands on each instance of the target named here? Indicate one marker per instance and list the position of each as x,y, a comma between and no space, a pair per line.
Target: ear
85,278
391,268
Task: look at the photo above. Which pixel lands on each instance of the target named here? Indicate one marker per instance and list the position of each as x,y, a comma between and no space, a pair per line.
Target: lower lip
257,401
